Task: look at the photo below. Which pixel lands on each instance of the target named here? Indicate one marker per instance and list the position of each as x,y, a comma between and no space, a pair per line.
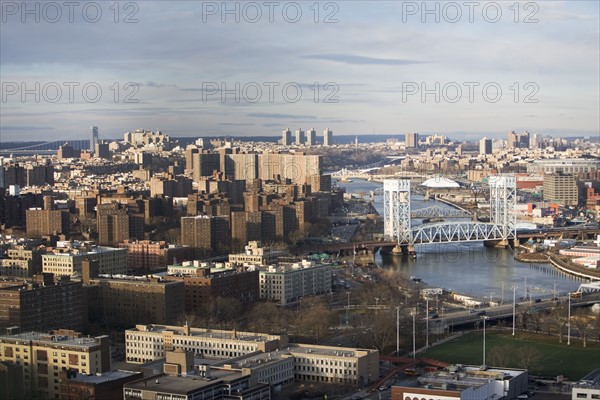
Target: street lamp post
397,331
484,318
514,308
348,307
427,322
414,336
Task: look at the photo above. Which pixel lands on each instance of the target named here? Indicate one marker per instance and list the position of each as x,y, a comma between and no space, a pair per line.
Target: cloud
281,116
233,124
362,60
26,128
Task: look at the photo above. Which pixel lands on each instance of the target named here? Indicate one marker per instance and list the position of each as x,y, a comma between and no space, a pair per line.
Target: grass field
552,358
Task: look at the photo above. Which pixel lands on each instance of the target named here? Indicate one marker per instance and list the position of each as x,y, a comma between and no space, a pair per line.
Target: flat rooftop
208,333
105,376
182,384
466,376
60,340
324,350
591,380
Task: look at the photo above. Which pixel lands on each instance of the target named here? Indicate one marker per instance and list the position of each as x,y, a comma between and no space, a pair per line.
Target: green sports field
544,353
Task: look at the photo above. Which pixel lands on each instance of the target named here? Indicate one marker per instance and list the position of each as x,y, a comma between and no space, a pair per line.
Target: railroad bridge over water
398,217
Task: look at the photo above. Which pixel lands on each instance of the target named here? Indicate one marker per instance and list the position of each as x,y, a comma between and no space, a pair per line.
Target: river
468,268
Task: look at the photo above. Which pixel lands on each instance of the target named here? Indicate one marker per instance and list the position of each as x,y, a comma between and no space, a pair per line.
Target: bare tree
528,357
499,355
582,323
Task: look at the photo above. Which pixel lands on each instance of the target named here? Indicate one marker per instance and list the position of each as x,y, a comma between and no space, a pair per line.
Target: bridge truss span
439,212
456,232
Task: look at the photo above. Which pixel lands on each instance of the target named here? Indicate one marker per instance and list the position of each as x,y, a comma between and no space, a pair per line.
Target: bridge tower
503,200
396,211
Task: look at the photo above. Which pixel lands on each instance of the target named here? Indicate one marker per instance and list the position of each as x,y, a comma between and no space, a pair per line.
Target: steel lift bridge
397,217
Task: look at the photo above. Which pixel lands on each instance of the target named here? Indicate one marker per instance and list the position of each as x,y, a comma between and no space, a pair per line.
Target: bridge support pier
503,243
404,250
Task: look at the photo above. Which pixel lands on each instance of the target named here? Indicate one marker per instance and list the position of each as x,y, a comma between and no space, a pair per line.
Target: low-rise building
100,386
588,387
270,357
466,383
150,342
183,379
67,260
255,254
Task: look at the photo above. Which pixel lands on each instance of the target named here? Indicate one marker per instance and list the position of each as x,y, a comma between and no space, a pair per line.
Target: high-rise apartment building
286,137
311,137
205,164
43,355
327,137
147,256
411,140
561,188
204,232
128,300
101,150
300,137
42,303
46,222
115,224
287,283
207,283
485,146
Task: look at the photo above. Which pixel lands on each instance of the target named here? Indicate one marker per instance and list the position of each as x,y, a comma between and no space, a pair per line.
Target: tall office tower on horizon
412,140
311,137
286,137
485,146
327,137
300,137
93,138
1,172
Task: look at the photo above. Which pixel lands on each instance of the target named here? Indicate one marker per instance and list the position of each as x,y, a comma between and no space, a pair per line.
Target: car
538,300
384,387
480,313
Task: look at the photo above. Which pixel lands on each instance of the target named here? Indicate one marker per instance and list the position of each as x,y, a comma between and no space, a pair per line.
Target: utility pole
514,307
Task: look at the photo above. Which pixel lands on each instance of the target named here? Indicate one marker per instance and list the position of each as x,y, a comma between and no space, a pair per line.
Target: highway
506,310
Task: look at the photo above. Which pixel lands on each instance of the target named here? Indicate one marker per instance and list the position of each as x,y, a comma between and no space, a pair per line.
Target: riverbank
549,258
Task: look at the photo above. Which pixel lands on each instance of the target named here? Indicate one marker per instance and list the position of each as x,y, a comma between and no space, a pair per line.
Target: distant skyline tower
311,137
327,137
300,137
411,140
286,137
1,172
485,146
93,138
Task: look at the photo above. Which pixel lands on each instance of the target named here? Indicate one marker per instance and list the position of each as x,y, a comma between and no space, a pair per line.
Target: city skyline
176,59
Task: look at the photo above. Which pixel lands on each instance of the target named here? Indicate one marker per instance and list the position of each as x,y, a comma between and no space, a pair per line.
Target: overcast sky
356,67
